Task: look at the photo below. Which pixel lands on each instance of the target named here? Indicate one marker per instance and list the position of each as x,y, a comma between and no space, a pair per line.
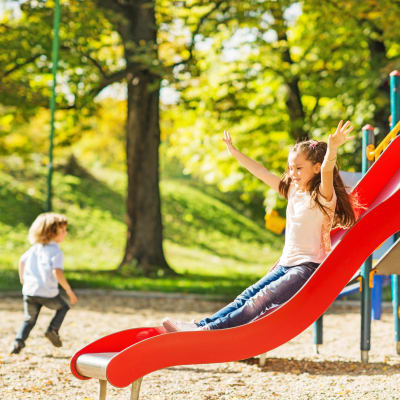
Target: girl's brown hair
315,151
45,227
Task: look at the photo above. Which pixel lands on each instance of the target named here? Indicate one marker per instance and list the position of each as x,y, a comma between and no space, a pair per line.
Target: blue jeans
32,307
274,289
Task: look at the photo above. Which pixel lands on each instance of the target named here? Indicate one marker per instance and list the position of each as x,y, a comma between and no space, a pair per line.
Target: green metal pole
395,96
395,113
54,58
368,139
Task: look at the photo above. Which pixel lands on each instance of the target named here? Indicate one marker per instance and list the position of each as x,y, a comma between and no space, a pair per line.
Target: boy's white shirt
39,262
307,235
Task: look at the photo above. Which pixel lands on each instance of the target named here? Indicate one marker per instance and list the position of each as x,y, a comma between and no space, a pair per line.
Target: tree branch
91,59
196,32
270,68
112,5
107,80
21,65
69,107
110,79
315,108
96,64
3,25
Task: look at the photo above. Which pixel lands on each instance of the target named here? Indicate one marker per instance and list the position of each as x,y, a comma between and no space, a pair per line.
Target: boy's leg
240,300
31,311
275,294
60,305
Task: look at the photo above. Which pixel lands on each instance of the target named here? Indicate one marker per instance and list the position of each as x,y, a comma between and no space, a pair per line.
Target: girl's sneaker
176,326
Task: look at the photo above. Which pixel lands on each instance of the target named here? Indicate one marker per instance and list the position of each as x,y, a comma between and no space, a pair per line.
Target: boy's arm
21,267
334,141
258,170
64,283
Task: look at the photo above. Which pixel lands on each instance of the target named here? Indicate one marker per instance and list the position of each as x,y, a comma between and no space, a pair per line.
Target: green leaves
270,72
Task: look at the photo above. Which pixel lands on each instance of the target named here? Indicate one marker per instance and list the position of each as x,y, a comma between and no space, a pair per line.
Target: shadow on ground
327,368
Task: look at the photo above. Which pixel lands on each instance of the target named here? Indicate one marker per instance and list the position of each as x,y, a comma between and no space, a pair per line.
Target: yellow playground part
274,222
385,142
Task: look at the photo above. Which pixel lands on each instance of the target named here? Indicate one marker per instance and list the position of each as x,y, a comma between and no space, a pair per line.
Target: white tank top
307,234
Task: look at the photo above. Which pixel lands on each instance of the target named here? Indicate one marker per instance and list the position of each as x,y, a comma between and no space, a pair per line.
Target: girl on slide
317,202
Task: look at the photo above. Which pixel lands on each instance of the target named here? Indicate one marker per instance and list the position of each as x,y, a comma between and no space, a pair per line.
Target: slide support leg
365,310
103,389
317,333
136,389
395,302
263,358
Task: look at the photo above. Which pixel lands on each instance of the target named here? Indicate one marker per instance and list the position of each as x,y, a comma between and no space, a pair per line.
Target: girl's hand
228,141
341,135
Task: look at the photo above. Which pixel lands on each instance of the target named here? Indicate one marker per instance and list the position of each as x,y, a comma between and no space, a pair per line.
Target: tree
136,25
88,44
85,72
273,77
373,26
325,62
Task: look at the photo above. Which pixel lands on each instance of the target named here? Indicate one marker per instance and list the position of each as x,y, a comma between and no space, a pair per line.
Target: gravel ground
292,371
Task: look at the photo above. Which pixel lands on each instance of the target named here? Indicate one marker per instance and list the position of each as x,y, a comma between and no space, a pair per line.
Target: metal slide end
364,356
316,348
398,347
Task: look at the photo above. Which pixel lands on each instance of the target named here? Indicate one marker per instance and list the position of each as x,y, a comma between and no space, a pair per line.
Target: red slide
137,352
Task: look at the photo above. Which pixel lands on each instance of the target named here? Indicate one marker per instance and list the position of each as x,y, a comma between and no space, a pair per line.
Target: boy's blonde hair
45,227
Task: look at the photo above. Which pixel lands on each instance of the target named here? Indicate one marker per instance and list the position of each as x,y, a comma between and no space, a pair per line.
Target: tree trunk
293,101
143,249
378,62
144,226
295,110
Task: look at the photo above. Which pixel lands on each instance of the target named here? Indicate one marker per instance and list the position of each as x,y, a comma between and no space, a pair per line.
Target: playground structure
125,357
385,260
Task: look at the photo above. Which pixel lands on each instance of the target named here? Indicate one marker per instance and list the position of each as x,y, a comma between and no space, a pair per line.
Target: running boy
40,272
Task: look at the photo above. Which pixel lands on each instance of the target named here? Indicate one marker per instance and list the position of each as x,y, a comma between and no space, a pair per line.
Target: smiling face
301,170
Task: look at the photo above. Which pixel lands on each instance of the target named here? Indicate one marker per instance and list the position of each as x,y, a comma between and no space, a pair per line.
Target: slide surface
143,350
390,262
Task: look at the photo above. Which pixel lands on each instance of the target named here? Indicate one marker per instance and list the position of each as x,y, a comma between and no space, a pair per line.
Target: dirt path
291,371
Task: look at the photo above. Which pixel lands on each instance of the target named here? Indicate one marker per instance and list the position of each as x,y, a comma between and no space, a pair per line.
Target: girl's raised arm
334,141
252,166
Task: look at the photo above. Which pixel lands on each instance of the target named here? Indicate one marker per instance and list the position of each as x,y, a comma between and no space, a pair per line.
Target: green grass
210,243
